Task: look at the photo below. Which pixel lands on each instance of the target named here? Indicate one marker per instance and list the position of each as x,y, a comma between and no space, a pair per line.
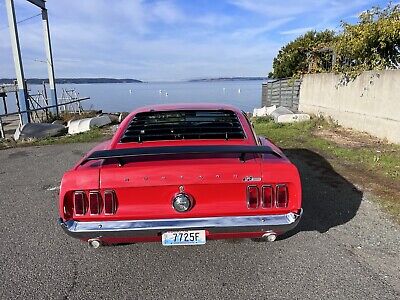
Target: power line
37,15
24,20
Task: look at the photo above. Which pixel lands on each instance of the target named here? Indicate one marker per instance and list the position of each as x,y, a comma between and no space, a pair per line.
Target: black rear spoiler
119,154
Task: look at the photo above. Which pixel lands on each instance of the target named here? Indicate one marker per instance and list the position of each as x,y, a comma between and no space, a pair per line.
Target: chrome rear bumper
142,228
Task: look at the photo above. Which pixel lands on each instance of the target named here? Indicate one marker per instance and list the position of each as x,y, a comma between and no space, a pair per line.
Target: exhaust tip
94,243
270,236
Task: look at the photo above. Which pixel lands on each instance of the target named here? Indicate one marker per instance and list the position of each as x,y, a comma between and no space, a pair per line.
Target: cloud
256,31
165,40
315,9
296,31
274,8
212,20
167,12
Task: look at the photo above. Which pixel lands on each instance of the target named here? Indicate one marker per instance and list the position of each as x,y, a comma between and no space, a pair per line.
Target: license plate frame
184,238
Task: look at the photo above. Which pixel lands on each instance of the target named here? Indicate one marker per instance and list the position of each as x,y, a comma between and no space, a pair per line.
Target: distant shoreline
73,80
228,79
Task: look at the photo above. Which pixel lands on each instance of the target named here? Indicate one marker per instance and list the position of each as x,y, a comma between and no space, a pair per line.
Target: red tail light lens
68,205
281,196
252,197
110,203
268,196
80,203
94,203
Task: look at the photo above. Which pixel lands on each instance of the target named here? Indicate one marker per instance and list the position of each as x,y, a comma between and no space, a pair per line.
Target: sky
167,40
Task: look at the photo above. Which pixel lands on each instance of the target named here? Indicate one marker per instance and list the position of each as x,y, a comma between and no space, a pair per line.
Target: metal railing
69,102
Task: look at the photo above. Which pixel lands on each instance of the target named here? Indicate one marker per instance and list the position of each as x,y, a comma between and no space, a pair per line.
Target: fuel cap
182,202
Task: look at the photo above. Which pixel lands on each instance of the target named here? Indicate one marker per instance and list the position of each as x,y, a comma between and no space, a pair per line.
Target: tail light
252,197
267,196
110,203
68,205
94,203
281,196
272,196
80,203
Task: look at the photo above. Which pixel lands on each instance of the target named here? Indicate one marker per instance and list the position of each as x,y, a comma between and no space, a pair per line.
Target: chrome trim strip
137,228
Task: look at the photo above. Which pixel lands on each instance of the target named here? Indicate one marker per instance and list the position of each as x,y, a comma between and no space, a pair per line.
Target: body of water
114,97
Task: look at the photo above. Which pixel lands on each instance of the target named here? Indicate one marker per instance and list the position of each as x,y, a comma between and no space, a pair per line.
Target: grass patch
376,156
94,135
285,135
366,160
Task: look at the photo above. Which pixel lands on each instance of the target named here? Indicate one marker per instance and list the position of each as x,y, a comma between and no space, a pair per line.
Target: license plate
180,238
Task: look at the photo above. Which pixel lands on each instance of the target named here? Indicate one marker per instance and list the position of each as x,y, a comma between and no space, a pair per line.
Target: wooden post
3,95
264,96
334,58
2,134
292,104
271,87
18,108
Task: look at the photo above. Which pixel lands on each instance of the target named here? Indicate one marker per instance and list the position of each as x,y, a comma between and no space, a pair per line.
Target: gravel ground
344,248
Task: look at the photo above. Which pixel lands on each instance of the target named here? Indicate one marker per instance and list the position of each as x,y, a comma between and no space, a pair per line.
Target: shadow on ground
329,199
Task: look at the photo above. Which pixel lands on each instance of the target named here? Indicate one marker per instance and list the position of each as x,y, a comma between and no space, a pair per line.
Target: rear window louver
183,125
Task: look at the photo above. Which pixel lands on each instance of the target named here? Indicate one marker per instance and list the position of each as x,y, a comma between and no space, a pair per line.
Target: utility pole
19,70
22,89
49,58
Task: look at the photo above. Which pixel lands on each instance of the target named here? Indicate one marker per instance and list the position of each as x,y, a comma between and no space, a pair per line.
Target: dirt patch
348,138
386,190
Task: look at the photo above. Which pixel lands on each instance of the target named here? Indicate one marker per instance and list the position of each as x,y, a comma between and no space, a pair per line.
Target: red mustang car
182,175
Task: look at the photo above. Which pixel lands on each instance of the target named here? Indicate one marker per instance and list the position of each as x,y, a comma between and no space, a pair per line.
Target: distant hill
73,80
227,79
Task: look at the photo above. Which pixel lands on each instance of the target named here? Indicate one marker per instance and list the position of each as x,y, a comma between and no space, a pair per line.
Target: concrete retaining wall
371,103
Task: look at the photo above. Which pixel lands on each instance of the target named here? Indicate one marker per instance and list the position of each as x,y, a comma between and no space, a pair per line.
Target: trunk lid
145,187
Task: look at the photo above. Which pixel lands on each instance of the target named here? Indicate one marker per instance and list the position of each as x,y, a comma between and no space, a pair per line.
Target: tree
292,59
371,44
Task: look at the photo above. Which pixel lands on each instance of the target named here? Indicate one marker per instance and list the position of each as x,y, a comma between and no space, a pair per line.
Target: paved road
345,247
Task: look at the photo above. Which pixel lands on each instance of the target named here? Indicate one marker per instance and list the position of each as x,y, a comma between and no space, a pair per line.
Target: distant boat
130,91
166,94
160,91
239,91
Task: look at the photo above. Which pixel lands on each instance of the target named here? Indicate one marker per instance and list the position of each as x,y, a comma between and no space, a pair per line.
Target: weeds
369,161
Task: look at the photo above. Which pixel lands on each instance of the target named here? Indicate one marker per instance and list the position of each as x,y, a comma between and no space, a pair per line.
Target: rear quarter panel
282,171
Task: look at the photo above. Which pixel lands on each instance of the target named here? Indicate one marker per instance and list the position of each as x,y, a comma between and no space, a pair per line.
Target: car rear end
181,176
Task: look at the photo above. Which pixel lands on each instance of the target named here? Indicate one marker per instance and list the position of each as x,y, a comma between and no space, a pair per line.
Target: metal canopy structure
40,3
19,71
